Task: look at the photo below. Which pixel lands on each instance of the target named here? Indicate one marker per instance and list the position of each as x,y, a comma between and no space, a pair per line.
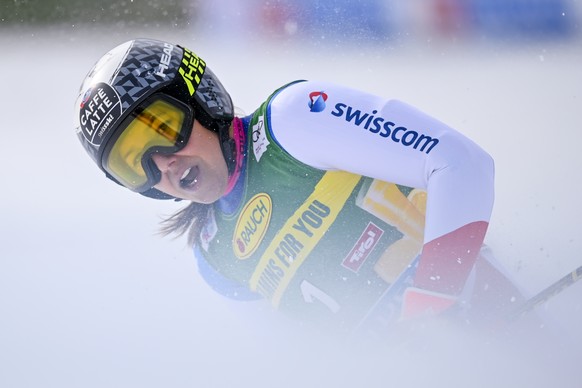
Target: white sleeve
331,127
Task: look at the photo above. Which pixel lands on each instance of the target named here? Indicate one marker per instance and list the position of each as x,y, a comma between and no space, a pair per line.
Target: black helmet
122,84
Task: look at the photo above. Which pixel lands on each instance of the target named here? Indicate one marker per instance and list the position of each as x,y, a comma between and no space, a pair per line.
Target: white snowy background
90,296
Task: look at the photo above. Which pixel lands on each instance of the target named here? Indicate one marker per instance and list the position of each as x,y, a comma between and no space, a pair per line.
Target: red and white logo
361,250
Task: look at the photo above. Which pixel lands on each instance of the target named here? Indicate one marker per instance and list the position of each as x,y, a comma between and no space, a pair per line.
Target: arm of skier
392,141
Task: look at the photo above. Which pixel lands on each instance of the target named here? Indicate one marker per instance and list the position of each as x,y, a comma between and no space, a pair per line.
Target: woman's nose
164,162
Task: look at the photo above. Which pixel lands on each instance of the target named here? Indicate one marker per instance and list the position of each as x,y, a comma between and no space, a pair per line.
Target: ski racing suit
349,206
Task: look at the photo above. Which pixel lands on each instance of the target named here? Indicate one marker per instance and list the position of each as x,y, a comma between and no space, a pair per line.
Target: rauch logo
252,225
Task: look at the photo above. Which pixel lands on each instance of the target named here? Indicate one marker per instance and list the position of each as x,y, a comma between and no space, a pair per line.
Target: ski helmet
126,99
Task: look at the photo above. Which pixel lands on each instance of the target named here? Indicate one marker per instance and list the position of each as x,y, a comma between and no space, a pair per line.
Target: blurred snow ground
91,297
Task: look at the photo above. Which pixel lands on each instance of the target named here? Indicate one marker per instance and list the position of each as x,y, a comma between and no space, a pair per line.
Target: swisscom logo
317,101
375,124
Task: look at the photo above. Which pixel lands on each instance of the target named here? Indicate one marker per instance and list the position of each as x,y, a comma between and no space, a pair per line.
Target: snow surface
91,297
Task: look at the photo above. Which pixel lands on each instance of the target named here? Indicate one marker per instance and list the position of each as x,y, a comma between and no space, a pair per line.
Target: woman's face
198,171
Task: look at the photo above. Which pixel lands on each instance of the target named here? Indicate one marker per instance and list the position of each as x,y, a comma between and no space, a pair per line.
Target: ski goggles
160,124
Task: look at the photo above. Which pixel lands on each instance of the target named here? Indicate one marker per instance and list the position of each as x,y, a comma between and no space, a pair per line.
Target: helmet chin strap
228,148
233,150
227,145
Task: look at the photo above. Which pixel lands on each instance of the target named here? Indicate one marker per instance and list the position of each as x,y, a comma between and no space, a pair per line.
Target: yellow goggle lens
158,125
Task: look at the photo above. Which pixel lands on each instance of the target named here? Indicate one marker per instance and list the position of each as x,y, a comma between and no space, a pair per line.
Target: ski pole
547,293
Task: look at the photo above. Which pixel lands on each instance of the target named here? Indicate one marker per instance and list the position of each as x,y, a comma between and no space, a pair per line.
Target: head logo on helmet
191,70
165,59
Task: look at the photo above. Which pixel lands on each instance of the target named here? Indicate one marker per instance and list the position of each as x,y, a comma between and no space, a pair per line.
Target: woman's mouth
189,178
